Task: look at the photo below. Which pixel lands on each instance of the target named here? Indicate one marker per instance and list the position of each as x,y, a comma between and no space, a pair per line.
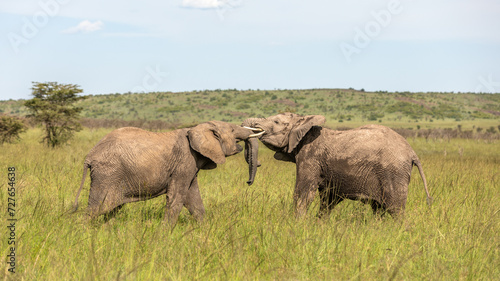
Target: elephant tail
417,163
86,166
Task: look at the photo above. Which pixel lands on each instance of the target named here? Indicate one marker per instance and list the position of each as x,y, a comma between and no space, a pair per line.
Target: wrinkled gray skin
130,164
371,163
251,156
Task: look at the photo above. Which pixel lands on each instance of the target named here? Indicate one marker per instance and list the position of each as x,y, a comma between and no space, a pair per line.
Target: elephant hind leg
107,205
109,211
395,205
395,210
111,214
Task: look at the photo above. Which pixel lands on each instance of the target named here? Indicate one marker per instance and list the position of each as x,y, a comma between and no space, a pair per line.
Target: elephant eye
216,134
276,122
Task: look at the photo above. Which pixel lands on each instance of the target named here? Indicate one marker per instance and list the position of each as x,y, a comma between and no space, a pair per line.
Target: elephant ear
301,128
203,139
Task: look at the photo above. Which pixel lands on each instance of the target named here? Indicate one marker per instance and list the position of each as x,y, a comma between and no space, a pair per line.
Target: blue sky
183,45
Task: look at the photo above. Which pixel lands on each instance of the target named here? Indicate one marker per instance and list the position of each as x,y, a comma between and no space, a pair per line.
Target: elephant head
215,140
283,132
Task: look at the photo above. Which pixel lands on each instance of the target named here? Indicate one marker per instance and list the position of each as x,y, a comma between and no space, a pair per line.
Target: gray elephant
371,163
130,164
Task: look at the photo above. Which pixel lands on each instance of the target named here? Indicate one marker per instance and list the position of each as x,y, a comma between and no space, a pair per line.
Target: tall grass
250,232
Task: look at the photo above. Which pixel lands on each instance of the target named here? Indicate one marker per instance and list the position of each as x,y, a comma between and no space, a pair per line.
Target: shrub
373,116
10,128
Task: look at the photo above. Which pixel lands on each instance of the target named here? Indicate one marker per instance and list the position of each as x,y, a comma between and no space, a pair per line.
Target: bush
373,116
10,128
414,111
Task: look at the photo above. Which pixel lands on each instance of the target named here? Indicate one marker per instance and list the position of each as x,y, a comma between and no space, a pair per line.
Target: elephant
371,163
130,164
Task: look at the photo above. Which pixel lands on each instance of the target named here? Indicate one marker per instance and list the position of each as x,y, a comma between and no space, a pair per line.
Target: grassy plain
250,232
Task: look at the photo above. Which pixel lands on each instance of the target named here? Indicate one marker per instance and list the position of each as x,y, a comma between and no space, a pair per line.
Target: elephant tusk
256,135
253,129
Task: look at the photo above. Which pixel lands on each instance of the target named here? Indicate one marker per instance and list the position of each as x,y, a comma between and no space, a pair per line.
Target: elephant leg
324,196
103,202
111,214
109,210
174,202
377,208
172,211
303,196
328,200
395,201
307,183
397,210
193,201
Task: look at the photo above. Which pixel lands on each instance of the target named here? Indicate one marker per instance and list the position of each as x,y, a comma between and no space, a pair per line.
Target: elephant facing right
371,163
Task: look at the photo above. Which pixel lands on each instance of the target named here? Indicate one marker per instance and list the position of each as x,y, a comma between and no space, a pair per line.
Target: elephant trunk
251,156
252,148
251,122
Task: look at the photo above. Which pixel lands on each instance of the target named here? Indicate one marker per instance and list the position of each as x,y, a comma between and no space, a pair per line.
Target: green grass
250,232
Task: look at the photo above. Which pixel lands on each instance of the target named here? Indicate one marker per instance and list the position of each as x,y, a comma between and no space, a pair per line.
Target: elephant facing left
131,164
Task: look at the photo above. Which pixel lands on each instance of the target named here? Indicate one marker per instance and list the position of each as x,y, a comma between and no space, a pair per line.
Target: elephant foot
172,215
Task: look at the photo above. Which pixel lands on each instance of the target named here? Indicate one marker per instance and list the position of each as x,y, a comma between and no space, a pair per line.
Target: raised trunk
251,156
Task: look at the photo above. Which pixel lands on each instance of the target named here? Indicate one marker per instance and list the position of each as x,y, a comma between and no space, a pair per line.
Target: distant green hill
346,106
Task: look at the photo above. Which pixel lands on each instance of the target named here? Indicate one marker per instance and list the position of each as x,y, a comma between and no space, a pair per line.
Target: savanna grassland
250,232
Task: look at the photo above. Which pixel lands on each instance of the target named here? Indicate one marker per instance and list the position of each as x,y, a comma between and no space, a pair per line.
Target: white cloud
202,4
85,26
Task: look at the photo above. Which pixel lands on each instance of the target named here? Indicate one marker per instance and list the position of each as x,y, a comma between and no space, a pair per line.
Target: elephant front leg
172,211
308,180
193,201
303,195
173,206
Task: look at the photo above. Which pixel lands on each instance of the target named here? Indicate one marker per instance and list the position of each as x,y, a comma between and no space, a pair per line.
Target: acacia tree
52,106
